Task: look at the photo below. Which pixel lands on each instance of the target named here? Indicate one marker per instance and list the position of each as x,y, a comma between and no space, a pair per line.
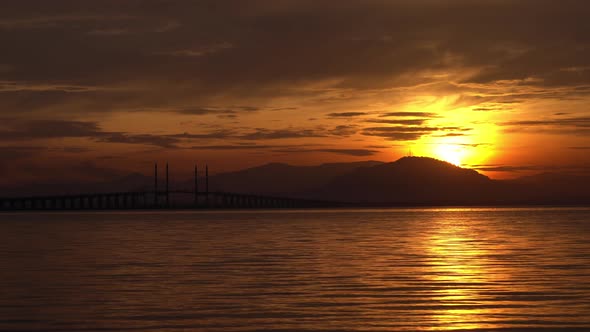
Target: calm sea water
316,270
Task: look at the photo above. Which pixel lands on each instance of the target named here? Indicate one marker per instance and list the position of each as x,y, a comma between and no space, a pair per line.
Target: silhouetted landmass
407,181
547,188
410,180
284,180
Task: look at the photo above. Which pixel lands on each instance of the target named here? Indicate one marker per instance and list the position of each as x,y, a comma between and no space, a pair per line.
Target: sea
423,269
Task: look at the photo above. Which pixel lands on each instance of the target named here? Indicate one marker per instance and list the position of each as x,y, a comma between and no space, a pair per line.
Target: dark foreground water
316,270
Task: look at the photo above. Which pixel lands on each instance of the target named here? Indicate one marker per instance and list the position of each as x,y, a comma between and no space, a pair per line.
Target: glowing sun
449,152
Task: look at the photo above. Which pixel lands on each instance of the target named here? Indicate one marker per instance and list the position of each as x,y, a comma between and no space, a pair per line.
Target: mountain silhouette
548,188
407,181
279,179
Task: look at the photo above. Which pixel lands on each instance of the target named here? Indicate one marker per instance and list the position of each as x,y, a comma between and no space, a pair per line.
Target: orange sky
94,90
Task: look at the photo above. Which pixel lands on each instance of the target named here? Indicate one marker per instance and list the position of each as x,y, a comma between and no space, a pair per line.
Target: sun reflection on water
460,269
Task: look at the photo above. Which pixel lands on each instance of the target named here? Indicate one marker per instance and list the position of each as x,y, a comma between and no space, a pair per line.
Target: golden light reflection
461,267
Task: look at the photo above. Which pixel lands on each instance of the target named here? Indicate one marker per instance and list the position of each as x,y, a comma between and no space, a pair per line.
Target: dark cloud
44,129
11,153
402,122
496,106
346,114
19,130
284,109
231,147
382,146
146,139
348,152
268,134
583,122
572,126
408,114
227,116
217,134
532,168
505,168
406,133
229,46
451,135
344,130
225,112
204,111
351,152
74,149
198,52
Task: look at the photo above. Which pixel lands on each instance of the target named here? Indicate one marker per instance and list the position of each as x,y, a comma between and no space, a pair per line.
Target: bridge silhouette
159,199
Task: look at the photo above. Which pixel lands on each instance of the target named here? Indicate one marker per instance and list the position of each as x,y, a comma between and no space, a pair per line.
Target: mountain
284,180
548,189
409,180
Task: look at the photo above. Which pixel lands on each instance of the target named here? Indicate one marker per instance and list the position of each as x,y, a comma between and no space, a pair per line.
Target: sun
450,152
460,135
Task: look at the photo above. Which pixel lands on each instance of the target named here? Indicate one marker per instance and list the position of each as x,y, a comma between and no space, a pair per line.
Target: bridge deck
155,200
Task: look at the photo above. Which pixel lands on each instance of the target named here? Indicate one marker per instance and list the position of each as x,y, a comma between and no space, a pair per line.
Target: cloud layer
306,81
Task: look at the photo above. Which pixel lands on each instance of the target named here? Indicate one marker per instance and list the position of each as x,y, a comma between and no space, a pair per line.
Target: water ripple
318,270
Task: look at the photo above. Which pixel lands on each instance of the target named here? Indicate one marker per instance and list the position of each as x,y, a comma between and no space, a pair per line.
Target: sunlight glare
449,152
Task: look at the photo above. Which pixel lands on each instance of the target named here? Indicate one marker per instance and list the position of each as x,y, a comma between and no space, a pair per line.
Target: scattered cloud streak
348,152
346,114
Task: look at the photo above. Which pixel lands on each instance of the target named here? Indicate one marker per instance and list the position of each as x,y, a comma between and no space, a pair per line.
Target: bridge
159,199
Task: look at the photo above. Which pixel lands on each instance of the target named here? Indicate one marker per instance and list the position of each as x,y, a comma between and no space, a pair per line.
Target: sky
91,90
